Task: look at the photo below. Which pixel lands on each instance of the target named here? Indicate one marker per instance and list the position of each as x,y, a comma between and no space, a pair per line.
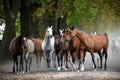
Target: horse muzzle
50,36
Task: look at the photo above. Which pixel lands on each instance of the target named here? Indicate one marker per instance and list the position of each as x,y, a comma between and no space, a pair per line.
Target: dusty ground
68,75
112,73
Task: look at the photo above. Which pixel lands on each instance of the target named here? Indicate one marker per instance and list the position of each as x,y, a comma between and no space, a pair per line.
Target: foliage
45,9
64,7
17,24
1,11
83,12
41,33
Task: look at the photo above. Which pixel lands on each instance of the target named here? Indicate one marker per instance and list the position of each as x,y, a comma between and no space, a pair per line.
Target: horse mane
74,27
19,39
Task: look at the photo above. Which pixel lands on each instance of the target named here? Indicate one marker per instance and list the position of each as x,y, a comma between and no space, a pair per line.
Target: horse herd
64,45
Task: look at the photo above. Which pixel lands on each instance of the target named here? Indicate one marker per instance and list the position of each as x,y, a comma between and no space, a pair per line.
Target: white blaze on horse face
24,38
61,32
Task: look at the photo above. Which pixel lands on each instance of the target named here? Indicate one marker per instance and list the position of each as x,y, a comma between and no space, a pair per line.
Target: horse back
37,44
100,41
15,48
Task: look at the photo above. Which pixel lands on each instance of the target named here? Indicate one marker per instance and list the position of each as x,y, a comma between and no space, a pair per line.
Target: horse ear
54,33
73,27
51,26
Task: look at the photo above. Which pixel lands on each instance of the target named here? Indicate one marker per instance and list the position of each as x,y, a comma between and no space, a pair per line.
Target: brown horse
38,49
17,47
74,48
93,44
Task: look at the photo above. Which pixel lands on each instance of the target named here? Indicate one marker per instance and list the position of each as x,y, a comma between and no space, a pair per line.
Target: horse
38,49
61,50
28,51
74,49
16,49
92,44
48,45
57,47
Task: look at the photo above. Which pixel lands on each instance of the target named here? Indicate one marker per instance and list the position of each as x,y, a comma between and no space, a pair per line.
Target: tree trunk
11,9
28,26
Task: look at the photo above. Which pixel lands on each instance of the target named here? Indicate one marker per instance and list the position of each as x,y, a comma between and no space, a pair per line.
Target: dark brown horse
38,49
61,50
17,47
93,44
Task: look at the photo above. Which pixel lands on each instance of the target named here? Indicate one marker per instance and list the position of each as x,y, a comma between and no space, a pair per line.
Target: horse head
49,32
25,45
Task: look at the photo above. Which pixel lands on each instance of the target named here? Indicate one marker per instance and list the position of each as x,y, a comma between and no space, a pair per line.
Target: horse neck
82,35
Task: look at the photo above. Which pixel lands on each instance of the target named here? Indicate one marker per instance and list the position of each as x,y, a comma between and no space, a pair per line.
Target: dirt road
68,75
112,73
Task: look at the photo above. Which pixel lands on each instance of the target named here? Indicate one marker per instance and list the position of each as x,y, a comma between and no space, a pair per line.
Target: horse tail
106,34
107,43
106,37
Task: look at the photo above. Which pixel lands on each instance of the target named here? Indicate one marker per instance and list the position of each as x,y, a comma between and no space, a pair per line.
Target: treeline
30,17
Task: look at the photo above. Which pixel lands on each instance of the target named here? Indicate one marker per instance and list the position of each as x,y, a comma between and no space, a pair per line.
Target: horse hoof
22,72
59,68
82,69
66,69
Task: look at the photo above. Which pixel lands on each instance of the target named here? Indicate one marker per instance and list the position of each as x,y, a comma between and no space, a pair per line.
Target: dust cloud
113,63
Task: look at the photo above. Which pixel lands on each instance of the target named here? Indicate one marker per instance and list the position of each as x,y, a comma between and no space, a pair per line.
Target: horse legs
73,60
93,59
72,53
58,60
15,62
66,59
30,61
21,63
82,57
14,65
38,59
26,59
61,58
54,59
105,65
48,59
26,65
100,56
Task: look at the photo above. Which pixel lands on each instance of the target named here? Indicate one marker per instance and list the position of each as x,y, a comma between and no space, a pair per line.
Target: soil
43,73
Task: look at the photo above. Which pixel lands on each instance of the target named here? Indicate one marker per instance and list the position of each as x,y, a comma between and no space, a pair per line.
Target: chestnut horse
74,48
93,44
38,49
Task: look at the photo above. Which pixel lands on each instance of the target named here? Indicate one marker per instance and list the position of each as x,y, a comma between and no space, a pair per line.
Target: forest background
31,17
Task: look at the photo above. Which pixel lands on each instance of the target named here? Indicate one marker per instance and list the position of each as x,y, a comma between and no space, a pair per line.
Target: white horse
48,45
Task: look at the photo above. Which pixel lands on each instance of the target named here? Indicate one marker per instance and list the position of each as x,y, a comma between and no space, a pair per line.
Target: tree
11,9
